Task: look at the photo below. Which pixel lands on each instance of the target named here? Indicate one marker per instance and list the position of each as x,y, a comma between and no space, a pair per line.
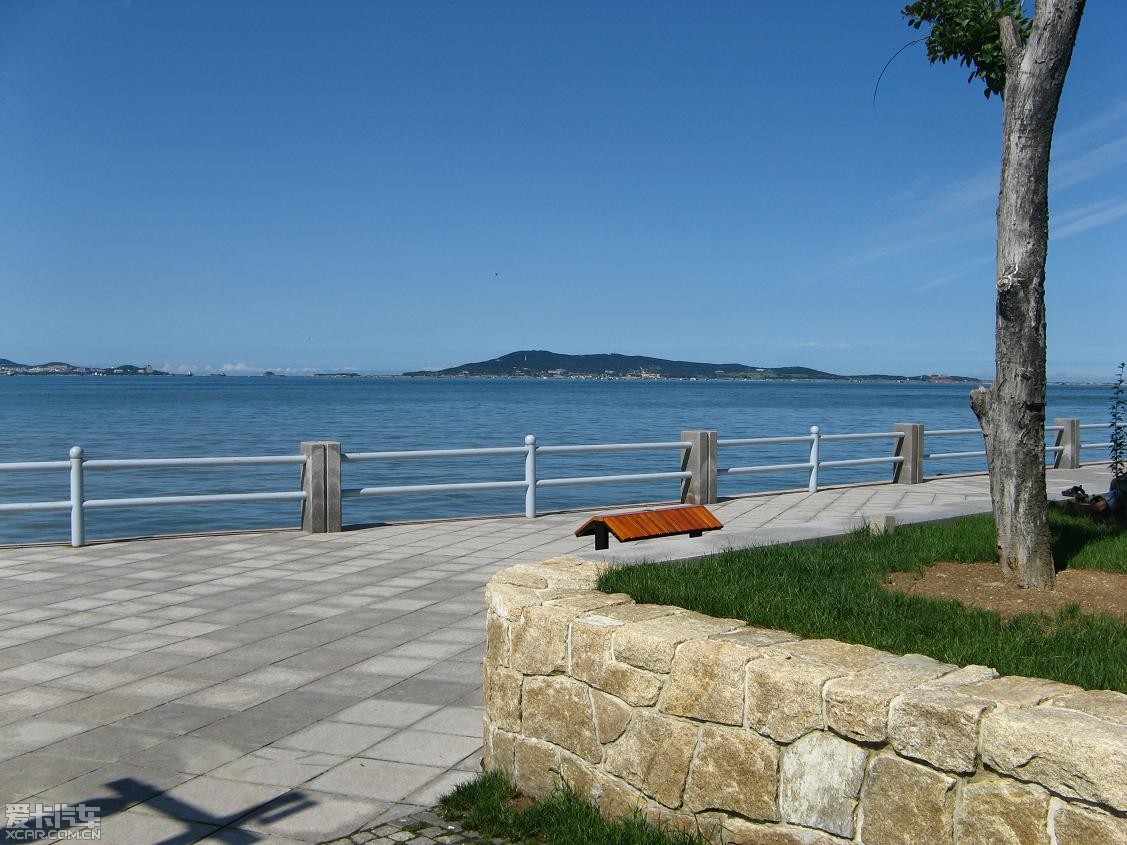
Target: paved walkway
285,688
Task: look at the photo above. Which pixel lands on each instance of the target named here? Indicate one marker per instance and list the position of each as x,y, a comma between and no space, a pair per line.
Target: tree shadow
1072,533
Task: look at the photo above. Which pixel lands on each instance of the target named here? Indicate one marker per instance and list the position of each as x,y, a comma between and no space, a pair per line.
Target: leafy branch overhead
968,30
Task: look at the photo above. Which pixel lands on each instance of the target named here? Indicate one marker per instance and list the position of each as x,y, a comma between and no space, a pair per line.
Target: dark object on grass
1076,492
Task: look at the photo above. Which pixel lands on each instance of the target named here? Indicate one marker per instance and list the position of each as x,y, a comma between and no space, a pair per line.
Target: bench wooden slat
650,524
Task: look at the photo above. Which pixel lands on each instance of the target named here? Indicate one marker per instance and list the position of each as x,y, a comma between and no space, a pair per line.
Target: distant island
60,368
537,363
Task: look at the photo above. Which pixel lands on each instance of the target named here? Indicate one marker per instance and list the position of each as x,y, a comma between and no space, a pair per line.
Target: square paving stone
33,733
462,721
138,828
113,788
338,737
442,785
391,714
278,766
375,779
28,774
211,800
432,692
308,816
175,718
423,747
232,695
108,743
192,754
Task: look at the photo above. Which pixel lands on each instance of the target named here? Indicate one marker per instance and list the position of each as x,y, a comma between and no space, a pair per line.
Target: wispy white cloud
930,215
1086,217
942,280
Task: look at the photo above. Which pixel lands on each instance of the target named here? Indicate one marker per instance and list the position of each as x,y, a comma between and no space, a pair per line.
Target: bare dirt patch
980,585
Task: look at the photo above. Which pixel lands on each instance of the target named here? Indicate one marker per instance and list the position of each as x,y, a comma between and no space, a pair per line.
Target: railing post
332,486
815,452
77,495
910,447
320,479
1068,438
530,476
700,460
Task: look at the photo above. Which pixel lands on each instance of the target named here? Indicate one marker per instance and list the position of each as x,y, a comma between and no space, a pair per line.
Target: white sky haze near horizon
383,186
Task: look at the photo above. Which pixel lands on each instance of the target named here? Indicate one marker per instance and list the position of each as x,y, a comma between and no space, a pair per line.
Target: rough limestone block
539,640
734,771
743,832
559,711
502,698
905,803
497,640
1077,825
999,811
591,659
590,600
784,695
706,681
1068,752
640,612
756,637
710,826
521,575
508,600
848,657
972,674
653,755
652,643
536,765
613,797
564,573
1017,691
820,780
499,751
939,726
856,706
1103,704
612,715
580,776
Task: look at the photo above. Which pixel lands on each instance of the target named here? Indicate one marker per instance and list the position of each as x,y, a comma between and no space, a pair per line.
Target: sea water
41,417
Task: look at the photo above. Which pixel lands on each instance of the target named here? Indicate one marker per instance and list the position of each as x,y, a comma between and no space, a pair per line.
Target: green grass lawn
485,805
833,590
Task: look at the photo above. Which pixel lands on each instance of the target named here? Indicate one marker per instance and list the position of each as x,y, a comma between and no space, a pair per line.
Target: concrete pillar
320,479
1069,441
910,447
700,460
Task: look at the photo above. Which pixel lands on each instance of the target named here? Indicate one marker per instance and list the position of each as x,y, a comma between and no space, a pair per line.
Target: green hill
539,363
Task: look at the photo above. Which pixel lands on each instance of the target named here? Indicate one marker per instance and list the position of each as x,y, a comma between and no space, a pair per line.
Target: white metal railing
815,463
78,504
529,483
1094,427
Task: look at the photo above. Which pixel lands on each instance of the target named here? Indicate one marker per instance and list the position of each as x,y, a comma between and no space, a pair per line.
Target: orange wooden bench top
648,524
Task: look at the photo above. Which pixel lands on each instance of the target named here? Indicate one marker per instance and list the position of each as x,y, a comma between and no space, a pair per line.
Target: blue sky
383,186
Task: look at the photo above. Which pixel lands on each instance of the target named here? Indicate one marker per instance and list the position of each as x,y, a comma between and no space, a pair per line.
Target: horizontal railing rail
815,463
322,463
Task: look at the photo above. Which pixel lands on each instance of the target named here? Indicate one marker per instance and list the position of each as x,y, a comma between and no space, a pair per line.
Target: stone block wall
758,737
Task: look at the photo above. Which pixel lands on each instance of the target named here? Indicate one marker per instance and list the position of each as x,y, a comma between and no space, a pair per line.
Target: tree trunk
1012,411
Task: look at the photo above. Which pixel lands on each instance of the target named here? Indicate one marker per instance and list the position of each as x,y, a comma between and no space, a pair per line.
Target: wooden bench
693,520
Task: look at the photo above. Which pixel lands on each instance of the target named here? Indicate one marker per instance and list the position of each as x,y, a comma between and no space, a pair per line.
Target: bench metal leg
602,537
696,533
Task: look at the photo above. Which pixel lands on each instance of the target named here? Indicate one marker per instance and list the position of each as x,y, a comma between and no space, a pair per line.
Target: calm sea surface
41,417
